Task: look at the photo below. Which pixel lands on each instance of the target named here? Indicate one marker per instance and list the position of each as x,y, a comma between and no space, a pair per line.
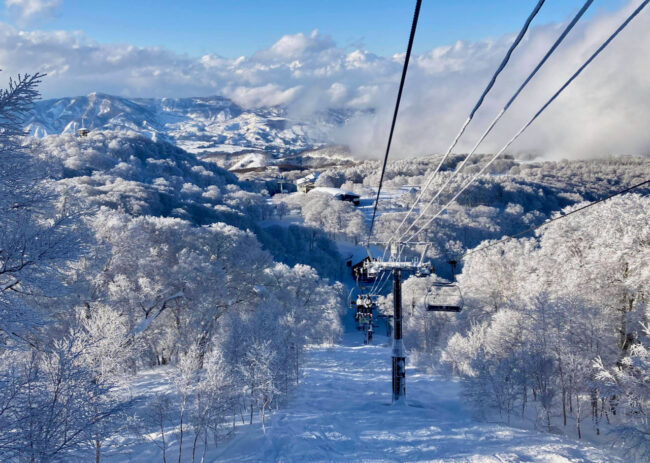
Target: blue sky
235,28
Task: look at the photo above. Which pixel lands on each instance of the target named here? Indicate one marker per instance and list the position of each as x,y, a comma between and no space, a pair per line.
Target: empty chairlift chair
444,297
82,131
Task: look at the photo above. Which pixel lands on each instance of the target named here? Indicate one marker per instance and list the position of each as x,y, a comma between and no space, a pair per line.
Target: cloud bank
606,111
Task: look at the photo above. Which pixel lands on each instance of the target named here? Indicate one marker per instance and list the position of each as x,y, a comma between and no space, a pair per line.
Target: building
308,183
359,272
339,194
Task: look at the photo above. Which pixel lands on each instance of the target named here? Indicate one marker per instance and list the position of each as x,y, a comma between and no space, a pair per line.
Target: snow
332,191
198,125
308,179
342,412
387,198
249,161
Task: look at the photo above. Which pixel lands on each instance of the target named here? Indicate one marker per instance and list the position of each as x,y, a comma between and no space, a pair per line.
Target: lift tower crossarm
379,266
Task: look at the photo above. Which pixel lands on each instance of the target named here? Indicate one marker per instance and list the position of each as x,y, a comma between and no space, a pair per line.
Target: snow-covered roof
308,179
334,191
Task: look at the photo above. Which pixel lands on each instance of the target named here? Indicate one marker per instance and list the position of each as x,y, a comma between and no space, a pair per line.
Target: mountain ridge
200,125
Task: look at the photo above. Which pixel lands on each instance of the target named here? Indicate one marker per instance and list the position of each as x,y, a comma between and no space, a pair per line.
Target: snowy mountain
203,126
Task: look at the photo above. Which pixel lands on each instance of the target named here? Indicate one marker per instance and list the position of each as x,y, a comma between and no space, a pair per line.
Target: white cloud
266,95
27,11
605,111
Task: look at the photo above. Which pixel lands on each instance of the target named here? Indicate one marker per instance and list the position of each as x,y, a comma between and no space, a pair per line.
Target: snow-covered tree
257,377
53,404
37,226
213,400
626,386
539,313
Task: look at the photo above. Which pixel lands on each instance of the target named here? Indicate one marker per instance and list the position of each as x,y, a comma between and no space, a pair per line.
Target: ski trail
341,412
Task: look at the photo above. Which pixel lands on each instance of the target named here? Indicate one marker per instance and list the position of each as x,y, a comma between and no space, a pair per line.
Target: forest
120,255
554,333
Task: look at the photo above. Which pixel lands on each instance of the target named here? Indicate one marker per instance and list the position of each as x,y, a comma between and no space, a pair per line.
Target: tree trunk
570,395
523,402
604,410
180,440
578,416
564,404
594,410
98,446
263,417
196,438
205,445
164,445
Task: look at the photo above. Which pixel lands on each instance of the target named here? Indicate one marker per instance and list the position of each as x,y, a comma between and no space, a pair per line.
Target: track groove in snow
341,412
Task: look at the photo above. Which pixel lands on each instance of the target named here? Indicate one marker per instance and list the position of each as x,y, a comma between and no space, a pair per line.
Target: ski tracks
341,412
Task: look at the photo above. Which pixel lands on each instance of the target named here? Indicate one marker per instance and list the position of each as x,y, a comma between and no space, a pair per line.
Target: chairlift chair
83,131
444,297
422,272
364,304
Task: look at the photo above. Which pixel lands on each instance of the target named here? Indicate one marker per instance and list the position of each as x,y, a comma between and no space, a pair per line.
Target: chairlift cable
547,222
416,14
537,114
379,285
505,108
374,285
478,104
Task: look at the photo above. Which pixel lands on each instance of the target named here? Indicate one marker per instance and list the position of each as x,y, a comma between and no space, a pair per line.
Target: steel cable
478,104
537,114
416,14
505,108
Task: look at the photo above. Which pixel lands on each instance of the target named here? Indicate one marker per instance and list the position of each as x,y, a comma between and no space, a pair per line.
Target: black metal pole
399,360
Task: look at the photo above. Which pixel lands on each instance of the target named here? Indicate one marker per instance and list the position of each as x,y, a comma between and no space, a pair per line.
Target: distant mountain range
204,126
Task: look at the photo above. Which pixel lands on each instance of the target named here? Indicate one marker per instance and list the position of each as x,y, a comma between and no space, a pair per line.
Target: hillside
202,126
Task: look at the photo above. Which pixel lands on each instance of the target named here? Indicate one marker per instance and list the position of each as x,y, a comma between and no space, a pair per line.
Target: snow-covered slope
341,413
202,126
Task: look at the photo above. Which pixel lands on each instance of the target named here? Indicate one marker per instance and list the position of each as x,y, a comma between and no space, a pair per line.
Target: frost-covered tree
175,280
324,212
213,400
184,378
627,388
53,404
539,313
102,339
37,226
257,377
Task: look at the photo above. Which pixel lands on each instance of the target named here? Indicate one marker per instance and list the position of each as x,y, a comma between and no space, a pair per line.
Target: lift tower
399,357
396,266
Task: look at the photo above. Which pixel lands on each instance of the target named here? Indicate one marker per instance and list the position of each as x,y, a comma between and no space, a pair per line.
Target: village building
339,194
308,183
